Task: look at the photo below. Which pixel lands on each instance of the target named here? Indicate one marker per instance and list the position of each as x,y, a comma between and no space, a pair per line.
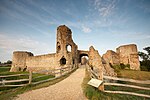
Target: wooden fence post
30,77
60,71
101,87
3,82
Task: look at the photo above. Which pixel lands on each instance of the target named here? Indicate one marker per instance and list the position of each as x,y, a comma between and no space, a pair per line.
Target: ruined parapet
128,54
95,61
111,57
19,60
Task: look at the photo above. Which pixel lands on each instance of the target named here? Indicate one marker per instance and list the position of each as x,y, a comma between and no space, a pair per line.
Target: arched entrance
83,59
62,61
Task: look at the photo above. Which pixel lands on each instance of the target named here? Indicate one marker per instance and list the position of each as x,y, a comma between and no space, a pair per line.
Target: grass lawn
94,94
138,75
4,69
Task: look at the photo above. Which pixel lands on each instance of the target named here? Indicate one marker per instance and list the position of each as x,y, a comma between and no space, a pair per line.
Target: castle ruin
23,60
125,54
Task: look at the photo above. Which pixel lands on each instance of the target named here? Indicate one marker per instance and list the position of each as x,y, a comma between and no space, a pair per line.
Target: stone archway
62,61
83,58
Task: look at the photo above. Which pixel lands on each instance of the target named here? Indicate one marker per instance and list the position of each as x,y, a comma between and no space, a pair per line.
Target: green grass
4,69
133,74
94,94
10,94
34,75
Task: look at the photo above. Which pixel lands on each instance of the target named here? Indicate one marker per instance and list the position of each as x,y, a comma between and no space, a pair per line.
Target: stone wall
19,60
42,62
128,54
111,57
95,61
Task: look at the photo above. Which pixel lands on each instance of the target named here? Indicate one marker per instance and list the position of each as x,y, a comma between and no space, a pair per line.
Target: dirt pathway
68,89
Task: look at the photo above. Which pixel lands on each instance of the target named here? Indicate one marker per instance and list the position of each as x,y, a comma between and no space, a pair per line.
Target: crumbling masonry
23,60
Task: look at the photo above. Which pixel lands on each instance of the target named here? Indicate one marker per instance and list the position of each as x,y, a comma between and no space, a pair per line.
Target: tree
9,62
147,49
145,63
143,56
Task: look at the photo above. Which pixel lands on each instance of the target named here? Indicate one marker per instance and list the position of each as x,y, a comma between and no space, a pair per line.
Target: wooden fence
115,83
4,82
57,72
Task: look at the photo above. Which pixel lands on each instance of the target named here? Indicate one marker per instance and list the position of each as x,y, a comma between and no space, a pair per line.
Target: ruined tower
128,54
19,60
66,49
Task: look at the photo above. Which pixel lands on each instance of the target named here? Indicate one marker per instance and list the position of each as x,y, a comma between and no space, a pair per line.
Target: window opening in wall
69,48
62,61
58,46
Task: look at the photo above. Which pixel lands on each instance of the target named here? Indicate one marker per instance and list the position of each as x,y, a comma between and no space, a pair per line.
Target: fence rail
60,71
129,93
126,85
127,80
61,74
93,74
13,81
13,75
102,86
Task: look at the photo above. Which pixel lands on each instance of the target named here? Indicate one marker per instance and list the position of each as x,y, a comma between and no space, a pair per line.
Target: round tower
19,60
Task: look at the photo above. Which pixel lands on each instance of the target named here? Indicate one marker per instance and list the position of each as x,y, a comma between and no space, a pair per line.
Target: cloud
132,35
8,44
20,43
86,29
22,13
145,6
105,7
139,36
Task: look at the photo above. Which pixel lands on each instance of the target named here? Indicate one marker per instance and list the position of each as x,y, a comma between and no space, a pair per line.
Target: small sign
95,82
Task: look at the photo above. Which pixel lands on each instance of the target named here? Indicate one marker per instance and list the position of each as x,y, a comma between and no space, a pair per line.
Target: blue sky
30,25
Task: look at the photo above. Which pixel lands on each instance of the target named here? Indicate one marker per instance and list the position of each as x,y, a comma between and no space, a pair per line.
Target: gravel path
68,89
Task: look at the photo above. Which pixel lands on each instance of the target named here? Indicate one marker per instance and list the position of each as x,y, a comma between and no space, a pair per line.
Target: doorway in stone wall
83,59
63,61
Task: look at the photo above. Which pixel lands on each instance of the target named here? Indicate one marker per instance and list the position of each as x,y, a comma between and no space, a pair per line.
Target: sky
30,25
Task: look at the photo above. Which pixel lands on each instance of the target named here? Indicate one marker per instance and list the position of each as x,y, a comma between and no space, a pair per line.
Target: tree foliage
9,62
145,63
147,49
